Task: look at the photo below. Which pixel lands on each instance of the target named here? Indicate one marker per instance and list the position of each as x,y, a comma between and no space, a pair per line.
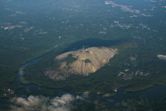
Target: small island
80,62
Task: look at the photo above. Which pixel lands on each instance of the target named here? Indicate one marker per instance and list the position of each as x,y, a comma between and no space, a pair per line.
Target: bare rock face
81,62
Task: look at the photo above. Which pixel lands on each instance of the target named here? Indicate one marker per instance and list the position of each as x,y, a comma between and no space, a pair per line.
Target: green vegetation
70,59
87,61
49,30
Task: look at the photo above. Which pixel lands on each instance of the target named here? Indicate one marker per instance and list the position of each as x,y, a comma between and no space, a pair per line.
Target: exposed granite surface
81,62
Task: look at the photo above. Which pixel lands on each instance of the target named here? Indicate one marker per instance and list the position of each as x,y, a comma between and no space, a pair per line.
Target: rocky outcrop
81,62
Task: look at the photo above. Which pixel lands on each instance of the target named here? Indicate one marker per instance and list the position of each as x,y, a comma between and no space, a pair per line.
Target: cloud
123,26
42,103
124,8
162,57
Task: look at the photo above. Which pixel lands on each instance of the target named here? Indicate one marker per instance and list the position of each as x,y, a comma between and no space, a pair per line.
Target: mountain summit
81,62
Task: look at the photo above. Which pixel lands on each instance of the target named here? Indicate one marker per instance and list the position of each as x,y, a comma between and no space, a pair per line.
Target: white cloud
162,57
42,103
122,7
